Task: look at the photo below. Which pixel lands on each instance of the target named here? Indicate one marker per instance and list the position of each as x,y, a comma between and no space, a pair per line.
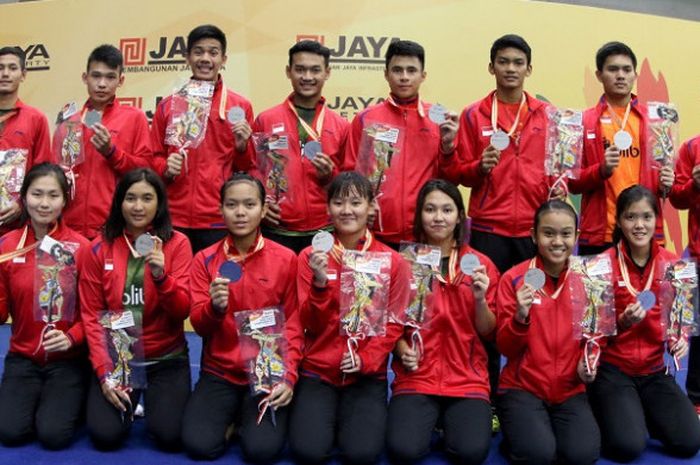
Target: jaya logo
350,105
168,54
355,51
38,58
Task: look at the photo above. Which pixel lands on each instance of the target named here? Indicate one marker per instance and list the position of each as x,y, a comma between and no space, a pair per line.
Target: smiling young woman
542,401
448,379
632,391
150,286
45,377
264,278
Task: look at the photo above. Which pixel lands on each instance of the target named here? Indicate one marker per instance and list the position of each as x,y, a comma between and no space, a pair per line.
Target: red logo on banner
130,101
134,51
314,37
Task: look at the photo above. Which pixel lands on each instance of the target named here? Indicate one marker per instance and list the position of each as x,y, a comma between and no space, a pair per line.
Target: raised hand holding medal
322,242
468,263
535,278
235,114
92,117
438,114
646,300
311,149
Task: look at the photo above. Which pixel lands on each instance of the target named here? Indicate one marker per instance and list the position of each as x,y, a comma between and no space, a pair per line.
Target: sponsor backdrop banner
58,35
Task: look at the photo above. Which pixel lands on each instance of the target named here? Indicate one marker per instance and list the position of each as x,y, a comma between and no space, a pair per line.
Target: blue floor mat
139,450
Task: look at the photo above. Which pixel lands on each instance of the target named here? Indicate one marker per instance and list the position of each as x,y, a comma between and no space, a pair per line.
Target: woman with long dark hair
445,375
135,299
632,392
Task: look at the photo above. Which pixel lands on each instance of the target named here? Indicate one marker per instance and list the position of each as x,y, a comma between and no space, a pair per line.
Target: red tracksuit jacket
319,308
454,363
167,302
96,178
505,201
685,195
542,355
194,194
268,280
306,208
27,129
17,297
638,350
417,161
591,183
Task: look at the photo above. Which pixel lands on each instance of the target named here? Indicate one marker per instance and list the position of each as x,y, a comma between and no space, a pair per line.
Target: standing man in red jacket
501,147
304,118
24,130
686,196
421,148
501,144
194,175
115,145
615,150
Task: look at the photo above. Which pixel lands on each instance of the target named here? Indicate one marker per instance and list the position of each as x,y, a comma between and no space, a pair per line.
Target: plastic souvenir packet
124,344
364,293
663,133
55,281
12,169
380,144
679,301
189,114
593,303
272,152
564,143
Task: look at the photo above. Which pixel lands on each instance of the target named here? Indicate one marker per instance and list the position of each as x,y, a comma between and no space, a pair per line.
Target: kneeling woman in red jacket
632,391
46,371
342,390
134,289
448,378
243,272
542,401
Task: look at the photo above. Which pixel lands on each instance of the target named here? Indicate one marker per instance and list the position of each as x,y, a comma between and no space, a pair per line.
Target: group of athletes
151,231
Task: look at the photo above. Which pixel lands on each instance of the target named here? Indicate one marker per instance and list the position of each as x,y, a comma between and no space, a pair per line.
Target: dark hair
310,46
613,48
39,171
18,52
405,48
239,177
206,31
107,54
161,224
511,41
452,192
346,182
626,198
555,205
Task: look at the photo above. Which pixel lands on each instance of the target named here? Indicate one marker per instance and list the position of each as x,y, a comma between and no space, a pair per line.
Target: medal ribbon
454,274
613,115
419,105
626,276
556,293
237,257
338,249
494,114
314,133
21,249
